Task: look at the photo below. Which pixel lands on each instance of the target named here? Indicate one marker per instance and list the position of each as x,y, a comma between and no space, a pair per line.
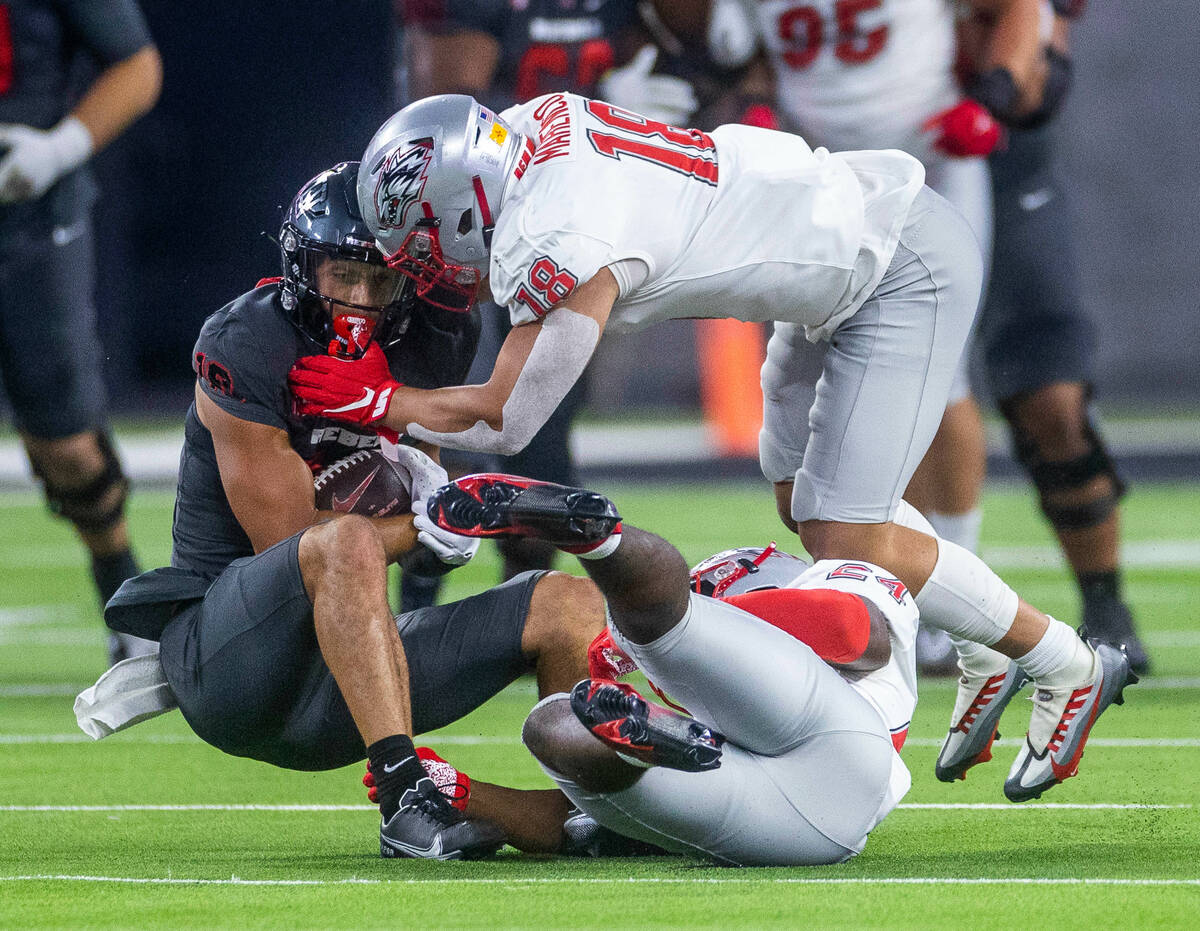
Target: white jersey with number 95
860,74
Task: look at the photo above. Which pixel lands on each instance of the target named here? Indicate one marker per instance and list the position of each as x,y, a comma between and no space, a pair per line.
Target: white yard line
758,879
472,740
912,806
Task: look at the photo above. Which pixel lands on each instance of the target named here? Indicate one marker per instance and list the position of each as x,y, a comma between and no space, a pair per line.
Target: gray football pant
851,424
809,768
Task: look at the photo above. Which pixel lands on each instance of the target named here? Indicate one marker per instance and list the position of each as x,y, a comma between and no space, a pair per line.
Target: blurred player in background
1037,342
50,353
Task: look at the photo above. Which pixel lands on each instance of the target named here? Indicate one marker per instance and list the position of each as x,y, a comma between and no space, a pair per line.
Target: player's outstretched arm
270,488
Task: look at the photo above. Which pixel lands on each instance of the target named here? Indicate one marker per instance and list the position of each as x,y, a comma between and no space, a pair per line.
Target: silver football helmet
745,569
431,186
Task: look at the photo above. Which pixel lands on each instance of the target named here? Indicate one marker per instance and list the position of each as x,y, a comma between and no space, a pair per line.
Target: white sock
962,528
599,550
1060,657
975,659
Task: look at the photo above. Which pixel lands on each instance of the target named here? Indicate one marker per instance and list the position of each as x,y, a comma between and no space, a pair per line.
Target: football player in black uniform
50,355
276,636
1038,346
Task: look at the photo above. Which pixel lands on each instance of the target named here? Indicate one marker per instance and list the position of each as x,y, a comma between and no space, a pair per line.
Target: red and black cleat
490,504
642,732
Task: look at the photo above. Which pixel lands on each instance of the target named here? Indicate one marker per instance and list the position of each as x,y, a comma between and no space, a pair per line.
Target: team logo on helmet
401,182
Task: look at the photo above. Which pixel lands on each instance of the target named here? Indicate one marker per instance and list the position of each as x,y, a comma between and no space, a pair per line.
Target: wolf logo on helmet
402,182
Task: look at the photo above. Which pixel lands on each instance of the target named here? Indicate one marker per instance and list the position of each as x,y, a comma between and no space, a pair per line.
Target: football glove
356,391
36,158
426,476
965,129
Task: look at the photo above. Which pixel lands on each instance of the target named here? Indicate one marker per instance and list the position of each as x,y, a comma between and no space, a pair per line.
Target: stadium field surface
153,828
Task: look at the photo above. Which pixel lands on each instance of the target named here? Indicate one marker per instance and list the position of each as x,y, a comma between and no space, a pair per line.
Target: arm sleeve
835,625
232,370
111,29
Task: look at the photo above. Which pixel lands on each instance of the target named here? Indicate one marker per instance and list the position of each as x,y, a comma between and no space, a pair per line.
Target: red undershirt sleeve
836,625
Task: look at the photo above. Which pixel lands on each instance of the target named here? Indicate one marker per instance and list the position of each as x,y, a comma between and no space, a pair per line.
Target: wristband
1058,82
997,90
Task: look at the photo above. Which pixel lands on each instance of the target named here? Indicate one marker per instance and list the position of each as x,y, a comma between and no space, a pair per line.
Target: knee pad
86,506
1052,477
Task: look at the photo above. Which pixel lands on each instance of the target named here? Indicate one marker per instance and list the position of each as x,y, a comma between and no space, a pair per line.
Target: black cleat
584,836
644,733
493,505
427,826
1110,621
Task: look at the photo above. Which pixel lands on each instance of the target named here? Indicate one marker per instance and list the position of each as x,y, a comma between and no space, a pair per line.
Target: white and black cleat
427,826
980,702
1062,719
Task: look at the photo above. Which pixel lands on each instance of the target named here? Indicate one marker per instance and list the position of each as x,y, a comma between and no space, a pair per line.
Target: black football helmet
322,226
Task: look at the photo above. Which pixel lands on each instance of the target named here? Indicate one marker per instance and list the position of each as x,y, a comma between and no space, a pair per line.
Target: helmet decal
402,182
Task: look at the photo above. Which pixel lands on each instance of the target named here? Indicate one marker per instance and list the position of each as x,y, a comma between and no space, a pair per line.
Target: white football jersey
892,689
862,74
744,223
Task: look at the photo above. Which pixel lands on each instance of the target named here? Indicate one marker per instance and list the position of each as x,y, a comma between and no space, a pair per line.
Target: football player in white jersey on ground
583,216
787,749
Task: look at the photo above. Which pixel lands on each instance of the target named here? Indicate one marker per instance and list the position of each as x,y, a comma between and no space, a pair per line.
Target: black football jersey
43,44
546,45
241,361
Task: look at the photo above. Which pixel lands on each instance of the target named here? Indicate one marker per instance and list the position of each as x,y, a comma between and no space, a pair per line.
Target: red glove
760,115
354,390
965,129
606,660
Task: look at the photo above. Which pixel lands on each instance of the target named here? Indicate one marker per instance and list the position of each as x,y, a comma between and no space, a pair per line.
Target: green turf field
153,828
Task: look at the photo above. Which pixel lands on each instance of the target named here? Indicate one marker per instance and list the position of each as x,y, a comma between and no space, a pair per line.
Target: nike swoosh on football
346,504
395,766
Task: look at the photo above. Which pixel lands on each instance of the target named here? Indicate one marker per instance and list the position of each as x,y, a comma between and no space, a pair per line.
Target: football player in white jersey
873,74
796,685
584,216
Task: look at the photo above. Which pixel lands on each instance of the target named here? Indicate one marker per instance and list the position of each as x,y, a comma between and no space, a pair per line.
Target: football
366,483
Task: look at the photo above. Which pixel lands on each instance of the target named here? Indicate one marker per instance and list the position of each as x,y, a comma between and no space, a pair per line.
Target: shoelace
433,805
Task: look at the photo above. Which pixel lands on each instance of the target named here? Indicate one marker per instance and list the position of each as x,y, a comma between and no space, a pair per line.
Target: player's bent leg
1079,489
750,681
344,569
787,810
565,615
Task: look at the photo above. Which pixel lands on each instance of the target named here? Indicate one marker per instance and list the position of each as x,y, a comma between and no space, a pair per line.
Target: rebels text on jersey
742,222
